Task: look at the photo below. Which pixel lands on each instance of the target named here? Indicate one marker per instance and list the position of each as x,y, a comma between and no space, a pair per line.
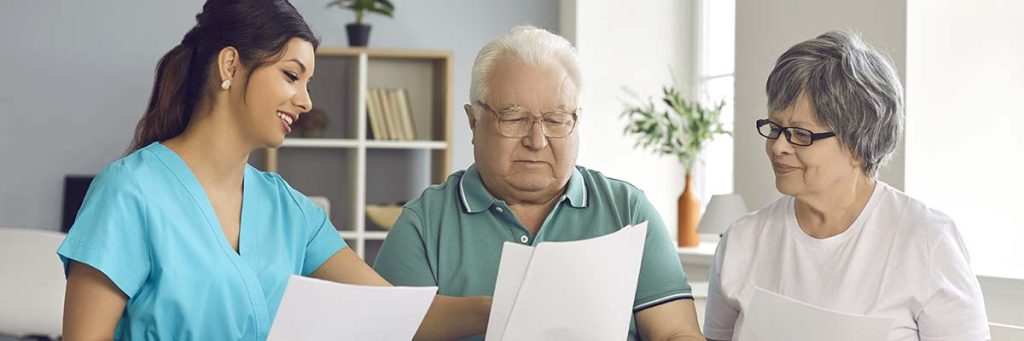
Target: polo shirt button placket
524,239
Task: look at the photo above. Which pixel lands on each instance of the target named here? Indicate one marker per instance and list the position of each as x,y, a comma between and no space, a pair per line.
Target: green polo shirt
452,235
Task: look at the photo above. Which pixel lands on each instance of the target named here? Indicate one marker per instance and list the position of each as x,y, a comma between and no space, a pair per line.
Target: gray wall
77,77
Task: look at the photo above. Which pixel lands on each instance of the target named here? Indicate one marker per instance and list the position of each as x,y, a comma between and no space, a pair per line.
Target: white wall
965,136
78,76
632,48
764,30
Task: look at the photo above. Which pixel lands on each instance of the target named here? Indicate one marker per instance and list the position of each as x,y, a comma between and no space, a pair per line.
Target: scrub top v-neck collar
242,262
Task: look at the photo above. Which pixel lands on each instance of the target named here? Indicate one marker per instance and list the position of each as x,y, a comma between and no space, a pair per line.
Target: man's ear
472,120
471,116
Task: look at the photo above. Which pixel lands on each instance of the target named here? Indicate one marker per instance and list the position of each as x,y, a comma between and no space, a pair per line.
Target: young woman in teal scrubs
182,239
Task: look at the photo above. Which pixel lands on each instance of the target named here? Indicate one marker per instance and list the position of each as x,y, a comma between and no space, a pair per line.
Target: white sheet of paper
314,309
515,259
773,317
577,290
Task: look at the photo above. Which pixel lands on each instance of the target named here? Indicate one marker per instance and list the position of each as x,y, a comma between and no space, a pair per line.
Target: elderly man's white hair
526,44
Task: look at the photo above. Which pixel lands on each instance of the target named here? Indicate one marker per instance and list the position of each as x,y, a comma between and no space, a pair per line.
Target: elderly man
525,187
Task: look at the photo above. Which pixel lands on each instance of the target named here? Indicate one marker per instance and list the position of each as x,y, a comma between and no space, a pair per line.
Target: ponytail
170,104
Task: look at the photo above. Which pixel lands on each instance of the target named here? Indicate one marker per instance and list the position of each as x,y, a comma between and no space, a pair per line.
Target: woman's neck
823,215
213,149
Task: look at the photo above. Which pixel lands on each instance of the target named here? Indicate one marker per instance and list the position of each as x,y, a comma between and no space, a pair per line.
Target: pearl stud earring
226,84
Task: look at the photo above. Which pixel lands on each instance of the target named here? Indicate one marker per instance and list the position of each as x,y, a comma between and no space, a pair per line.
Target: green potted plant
359,33
681,130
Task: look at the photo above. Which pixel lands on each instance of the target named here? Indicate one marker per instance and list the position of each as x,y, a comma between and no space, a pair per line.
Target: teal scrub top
147,224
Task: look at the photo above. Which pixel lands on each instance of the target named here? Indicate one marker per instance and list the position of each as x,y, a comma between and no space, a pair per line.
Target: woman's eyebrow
301,66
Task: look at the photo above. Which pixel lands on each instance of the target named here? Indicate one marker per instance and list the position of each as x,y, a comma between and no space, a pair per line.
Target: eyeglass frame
789,135
533,120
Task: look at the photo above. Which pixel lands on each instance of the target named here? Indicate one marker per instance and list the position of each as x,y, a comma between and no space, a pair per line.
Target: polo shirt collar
475,198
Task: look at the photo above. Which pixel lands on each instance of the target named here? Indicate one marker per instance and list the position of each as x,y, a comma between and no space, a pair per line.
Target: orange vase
689,216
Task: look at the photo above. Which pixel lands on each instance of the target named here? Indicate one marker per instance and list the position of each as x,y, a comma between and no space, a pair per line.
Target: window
714,77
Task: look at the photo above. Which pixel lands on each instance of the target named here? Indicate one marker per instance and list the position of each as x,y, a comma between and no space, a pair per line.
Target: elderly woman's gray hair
526,44
854,89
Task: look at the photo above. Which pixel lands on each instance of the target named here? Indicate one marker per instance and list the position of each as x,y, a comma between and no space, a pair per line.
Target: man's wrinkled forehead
518,85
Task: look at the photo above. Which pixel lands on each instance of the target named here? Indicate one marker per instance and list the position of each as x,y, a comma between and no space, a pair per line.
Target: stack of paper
313,309
773,317
579,290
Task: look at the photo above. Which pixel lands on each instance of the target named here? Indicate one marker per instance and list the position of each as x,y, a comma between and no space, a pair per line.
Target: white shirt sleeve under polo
899,259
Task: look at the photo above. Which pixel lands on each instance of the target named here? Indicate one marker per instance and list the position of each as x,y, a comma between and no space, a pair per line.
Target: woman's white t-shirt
899,259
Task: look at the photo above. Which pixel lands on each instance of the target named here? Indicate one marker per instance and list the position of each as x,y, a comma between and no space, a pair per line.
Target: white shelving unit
370,144
320,143
362,166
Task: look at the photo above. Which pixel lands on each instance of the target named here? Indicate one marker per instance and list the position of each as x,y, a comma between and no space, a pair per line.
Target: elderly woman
842,254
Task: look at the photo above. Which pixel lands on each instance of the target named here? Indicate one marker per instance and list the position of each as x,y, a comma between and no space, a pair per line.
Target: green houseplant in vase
359,33
682,129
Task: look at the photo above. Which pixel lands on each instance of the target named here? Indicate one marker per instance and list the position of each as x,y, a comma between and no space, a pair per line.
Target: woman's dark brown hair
258,29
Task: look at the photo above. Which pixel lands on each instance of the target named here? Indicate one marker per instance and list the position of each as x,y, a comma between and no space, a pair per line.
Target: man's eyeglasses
517,124
795,135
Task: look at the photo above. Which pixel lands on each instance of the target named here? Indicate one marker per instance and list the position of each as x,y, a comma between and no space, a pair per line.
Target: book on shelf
405,114
393,115
389,120
385,132
373,111
390,126
390,115
377,103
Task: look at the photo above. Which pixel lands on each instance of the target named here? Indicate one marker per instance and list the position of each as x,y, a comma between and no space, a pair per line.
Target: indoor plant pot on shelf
358,32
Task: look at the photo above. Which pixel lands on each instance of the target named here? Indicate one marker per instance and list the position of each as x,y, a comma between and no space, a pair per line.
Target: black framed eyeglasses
795,135
517,124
